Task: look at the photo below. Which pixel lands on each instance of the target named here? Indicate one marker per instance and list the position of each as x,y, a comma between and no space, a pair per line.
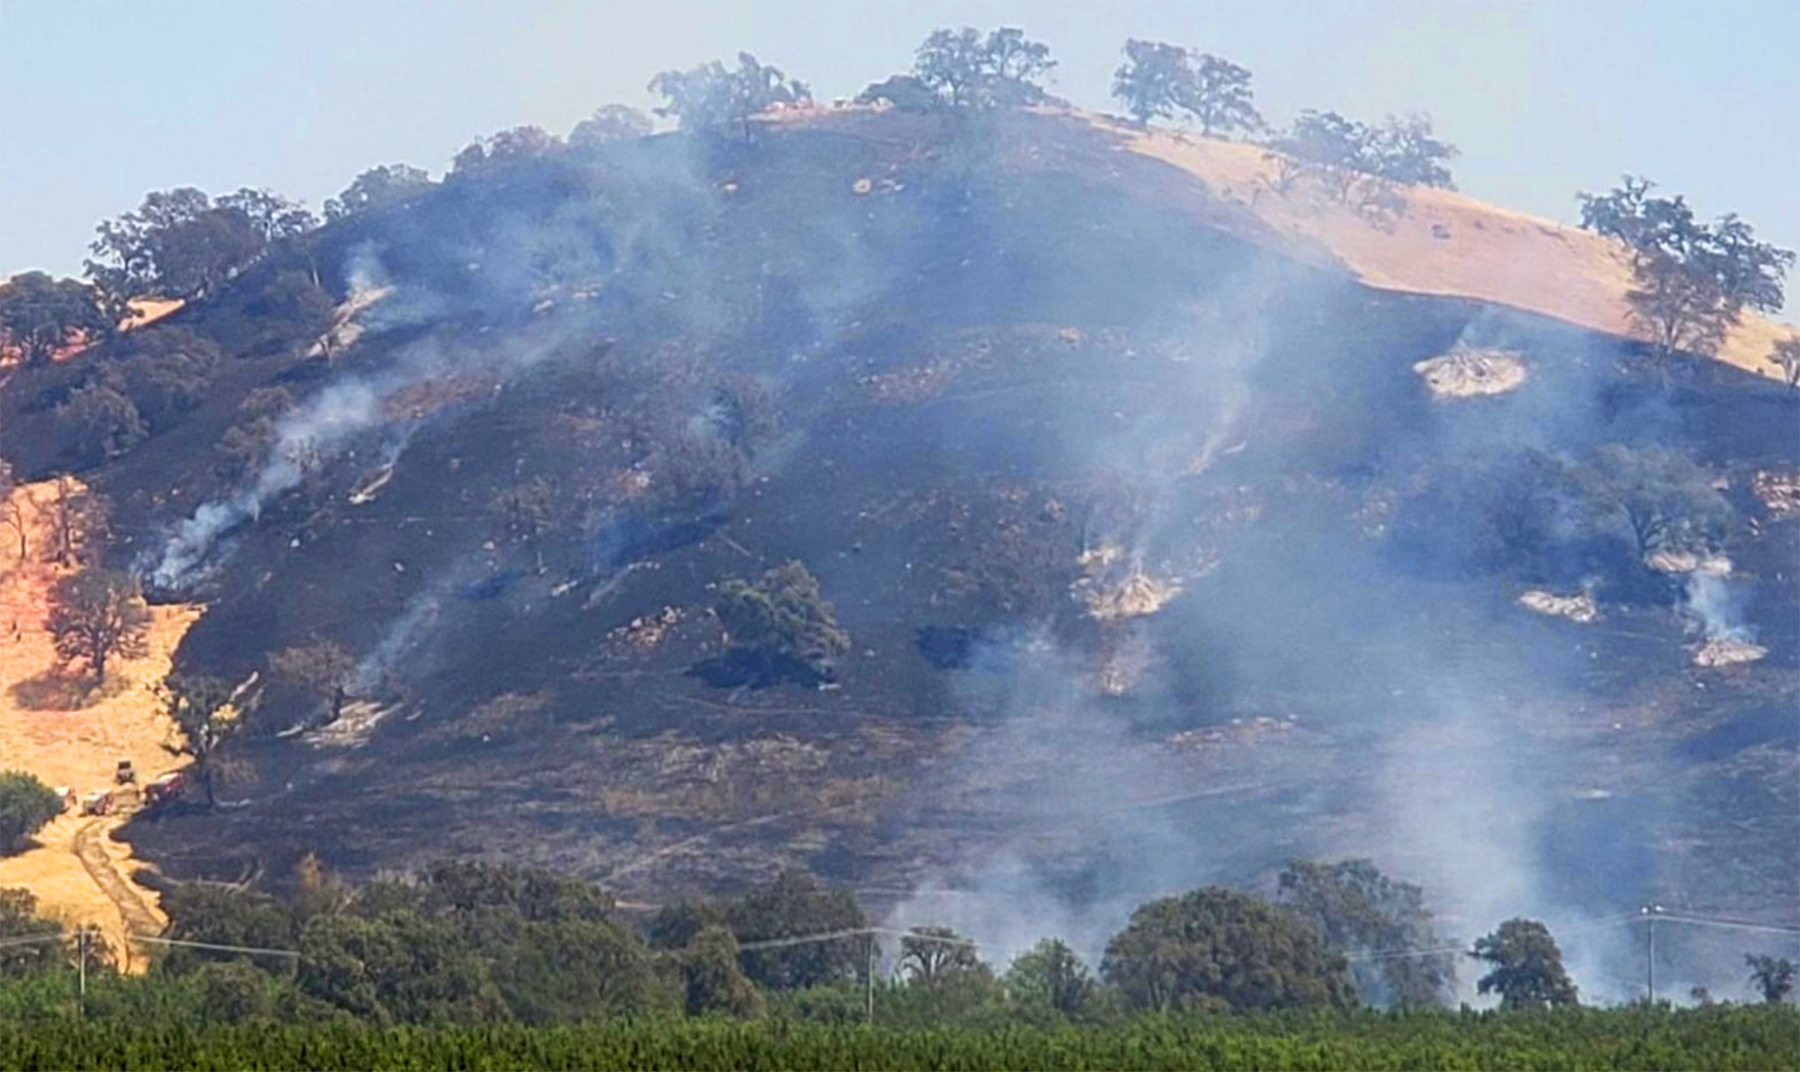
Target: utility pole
1650,912
81,968
870,977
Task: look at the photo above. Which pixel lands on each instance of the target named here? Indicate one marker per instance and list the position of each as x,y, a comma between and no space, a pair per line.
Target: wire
30,939
1732,924
803,939
217,948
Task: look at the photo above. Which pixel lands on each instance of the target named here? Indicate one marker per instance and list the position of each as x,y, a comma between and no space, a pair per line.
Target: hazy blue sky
102,102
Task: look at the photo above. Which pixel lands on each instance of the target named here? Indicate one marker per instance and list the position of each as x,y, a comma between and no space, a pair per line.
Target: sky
102,102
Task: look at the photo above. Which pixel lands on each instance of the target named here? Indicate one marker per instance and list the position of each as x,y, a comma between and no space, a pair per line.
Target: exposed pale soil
70,735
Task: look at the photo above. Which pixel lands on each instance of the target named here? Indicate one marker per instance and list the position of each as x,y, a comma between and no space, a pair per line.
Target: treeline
1721,1038
468,943
1692,280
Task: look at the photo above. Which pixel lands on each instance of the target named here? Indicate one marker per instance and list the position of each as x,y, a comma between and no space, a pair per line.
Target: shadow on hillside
753,669
58,690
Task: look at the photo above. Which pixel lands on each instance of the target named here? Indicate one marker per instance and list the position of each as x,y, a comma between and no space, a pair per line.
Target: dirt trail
69,735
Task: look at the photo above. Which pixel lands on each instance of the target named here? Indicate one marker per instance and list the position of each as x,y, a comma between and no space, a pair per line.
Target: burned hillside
1133,553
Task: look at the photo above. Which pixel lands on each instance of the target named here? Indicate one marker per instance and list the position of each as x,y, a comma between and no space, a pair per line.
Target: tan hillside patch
1445,243
53,725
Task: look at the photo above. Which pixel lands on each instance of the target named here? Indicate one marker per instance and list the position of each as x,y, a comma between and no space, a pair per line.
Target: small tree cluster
505,147
1359,163
378,187
1159,80
40,316
1691,280
1219,948
148,380
1357,909
964,69
183,244
712,97
26,804
782,616
610,123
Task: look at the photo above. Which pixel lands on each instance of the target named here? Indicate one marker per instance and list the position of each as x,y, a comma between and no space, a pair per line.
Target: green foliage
97,423
714,982
782,615
1690,280
1527,967
1726,1038
1218,948
505,147
792,905
1666,499
164,370
966,70
40,315
1344,155
1153,80
295,307
181,244
1052,975
196,704
378,187
1773,977
933,955
273,215
1360,910
26,804
608,124
95,614
713,98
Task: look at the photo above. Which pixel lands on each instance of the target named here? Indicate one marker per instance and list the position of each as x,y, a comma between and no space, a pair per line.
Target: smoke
1716,606
1354,708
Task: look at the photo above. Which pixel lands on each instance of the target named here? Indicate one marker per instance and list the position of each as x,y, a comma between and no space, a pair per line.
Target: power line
30,939
254,950
1732,924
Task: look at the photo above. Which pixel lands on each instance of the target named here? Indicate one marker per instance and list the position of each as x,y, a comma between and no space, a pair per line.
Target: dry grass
59,727
1444,243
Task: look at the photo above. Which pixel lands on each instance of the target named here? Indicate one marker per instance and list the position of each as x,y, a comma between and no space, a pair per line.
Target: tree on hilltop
610,123
1219,97
711,97
1691,281
1786,356
1153,81
967,70
379,186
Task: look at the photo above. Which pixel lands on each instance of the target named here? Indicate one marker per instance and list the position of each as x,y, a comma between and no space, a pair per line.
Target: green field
1722,1037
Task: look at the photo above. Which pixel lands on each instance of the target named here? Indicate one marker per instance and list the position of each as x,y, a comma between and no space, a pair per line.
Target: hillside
1443,243
1158,561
